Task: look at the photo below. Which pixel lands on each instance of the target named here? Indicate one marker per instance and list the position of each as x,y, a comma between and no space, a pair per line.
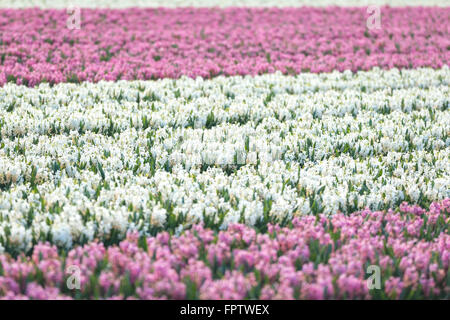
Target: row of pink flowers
313,258
37,45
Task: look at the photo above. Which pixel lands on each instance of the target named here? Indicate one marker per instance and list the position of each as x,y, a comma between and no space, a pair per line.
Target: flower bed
211,3
88,161
314,258
37,46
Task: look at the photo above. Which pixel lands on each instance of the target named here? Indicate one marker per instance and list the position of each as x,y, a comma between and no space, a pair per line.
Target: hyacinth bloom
314,257
37,46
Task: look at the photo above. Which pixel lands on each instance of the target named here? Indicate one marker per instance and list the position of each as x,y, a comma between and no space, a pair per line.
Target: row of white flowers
79,161
212,3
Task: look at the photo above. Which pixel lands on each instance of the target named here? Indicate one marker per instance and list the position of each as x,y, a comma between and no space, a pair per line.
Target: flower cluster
315,257
85,161
38,46
211,3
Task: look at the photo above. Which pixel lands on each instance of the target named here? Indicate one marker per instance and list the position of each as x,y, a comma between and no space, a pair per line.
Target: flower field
158,43
315,257
224,150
